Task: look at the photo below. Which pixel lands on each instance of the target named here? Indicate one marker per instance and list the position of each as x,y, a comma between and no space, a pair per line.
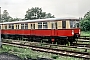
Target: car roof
40,20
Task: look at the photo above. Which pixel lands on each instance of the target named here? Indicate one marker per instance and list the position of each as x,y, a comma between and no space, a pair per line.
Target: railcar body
53,29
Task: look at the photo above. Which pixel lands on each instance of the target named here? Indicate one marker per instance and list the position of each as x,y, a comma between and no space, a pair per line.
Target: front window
74,24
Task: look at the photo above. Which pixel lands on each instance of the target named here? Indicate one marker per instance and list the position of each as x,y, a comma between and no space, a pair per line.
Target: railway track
85,37
53,51
77,46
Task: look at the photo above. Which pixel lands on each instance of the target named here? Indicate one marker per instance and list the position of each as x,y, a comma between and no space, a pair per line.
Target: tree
85,25
36,13
14,19
85,22
87,15
5,16
49,15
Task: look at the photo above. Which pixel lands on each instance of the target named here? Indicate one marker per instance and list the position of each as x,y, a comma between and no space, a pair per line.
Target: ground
85,33
27,54
7,56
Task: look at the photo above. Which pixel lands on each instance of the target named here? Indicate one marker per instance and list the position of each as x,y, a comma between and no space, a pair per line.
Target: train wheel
49,40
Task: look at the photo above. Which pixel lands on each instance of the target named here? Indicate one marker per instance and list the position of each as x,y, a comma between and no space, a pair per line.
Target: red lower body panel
42,32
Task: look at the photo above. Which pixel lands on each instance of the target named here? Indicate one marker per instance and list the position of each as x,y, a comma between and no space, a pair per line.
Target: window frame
42,25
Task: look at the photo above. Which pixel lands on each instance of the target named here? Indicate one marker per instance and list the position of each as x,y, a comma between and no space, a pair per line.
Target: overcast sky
59,8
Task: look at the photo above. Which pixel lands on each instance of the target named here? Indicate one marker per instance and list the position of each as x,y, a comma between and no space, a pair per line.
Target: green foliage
85,33
14,19
5,16
87,15
36,13
85,22
27,53
54,56
33,13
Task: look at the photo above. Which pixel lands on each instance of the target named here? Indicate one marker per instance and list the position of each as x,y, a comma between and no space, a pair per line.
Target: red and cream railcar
53,29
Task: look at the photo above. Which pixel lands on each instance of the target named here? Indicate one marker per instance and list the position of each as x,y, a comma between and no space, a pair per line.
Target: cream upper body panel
67,24
59,24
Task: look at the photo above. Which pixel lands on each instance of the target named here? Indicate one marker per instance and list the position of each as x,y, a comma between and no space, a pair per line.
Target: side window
17,26
54,25
22,26
39,25
12,26
9,26
77,25
63,24
33,26
45,25
5,26
26,26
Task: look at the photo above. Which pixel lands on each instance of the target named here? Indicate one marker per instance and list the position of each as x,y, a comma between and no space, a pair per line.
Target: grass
27,53
85,33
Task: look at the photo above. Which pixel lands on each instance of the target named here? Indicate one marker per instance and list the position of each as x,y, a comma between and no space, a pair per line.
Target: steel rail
54,51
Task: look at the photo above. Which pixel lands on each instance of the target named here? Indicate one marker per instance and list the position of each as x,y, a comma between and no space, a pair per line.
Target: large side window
63,24
22,26
26,25
39,25
42,25
45,25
